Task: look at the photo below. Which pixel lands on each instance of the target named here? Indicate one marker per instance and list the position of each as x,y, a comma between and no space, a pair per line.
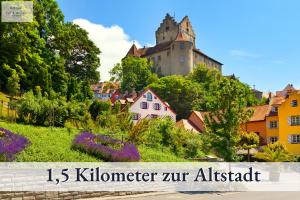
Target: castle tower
175,51
167,31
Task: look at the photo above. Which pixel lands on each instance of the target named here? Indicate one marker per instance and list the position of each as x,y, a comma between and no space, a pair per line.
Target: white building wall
163,112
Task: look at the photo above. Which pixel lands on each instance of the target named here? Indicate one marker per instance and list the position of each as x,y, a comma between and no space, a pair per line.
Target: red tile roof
186,125
260,112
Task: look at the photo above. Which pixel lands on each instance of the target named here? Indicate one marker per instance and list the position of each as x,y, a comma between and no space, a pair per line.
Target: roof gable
154,94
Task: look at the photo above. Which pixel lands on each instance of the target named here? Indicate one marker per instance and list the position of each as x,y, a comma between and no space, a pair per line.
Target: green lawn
54,145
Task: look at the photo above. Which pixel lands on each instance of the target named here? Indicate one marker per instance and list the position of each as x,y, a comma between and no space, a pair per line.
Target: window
296,139
274,109
136,116
156,106
149,96
144,105
166,108
154,116
294,103
295,120
159,58
167,28
273,124
182,59
181,45
273,139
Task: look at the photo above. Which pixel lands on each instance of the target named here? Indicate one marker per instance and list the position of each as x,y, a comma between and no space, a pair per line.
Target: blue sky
257,40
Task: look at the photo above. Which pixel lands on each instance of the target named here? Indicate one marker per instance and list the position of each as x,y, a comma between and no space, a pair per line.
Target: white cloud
243,54
112,41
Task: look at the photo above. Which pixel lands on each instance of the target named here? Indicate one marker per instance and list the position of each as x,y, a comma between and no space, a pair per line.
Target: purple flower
11,144
106,147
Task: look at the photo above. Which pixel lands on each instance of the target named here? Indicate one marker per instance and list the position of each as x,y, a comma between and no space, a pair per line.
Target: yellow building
283,121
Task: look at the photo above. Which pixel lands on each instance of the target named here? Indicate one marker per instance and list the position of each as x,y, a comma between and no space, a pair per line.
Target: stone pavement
209,196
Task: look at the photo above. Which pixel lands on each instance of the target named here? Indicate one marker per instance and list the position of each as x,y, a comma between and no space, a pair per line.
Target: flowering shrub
11,144
106,147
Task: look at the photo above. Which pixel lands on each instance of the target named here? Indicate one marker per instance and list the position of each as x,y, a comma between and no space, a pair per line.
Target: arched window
149,96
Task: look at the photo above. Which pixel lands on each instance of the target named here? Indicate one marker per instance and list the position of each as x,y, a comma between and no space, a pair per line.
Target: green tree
13,85
79,52
47,51
179,92
226,112
134,74
249,141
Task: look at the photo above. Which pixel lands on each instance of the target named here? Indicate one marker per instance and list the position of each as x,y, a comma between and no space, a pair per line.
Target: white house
150,105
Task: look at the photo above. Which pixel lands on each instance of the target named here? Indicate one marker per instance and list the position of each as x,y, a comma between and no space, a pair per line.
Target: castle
175,51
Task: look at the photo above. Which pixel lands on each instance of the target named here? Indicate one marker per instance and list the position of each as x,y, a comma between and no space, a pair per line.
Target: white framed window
294,103
295,120
156,106
273,139
295,139
144,105
182,59
273,124
136,116
149,96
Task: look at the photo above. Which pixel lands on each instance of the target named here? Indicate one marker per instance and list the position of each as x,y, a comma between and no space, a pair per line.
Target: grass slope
54,145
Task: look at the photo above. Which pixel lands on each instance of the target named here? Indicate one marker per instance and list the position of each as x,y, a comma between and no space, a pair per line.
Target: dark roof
203,54
133,51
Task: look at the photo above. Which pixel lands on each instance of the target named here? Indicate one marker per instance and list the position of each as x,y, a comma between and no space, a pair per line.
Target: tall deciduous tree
47,51
226,108
179,92
134,74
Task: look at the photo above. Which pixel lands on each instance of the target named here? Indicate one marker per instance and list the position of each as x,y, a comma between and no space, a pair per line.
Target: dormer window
274,109
149,96
294,103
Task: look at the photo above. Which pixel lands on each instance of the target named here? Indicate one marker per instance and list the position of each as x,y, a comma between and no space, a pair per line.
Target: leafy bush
163,133
106,147
275,152
11,144
47,111
98,107
136,132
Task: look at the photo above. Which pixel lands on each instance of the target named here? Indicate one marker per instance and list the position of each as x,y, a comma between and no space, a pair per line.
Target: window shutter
289,121
139,116
268,124
290,139
268,140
